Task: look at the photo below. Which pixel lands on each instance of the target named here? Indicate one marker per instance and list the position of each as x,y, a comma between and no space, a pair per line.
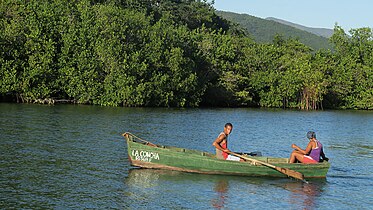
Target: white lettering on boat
145,156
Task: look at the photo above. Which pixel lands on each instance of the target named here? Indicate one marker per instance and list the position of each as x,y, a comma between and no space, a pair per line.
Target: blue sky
312,13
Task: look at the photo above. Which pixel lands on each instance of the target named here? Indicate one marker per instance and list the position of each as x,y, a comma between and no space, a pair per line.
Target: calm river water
74,157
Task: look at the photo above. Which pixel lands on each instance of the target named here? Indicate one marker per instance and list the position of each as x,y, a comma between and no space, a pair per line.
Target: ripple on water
74,157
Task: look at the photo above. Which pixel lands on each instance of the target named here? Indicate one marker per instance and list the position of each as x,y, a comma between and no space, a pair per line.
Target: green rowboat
148,155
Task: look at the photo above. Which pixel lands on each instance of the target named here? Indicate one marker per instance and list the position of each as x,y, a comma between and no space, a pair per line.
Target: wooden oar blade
291,173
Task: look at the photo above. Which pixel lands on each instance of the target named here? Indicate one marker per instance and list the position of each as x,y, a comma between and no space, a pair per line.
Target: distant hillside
264,31
325,32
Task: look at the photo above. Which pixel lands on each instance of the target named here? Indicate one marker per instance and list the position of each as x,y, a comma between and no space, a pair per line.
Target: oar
286,171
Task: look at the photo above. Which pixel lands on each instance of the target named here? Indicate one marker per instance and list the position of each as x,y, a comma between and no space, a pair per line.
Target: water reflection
148,184
216,191
221,189
305,195
142,178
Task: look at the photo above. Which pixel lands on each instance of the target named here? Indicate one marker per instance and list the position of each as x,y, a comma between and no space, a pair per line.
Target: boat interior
133,138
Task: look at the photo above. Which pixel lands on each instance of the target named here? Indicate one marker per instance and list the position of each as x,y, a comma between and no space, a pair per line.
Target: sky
312,13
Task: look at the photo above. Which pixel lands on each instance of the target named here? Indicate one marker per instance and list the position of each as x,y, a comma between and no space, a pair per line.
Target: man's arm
217,142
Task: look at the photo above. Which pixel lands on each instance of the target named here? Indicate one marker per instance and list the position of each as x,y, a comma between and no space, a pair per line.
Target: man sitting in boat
311,154
221,144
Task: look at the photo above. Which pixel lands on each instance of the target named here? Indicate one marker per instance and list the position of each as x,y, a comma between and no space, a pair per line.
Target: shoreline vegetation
171,54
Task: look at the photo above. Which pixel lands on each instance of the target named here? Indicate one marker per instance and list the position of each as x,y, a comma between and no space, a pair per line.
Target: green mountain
264,31
324,32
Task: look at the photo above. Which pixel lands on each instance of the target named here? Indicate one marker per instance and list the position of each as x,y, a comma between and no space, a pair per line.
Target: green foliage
171,54
352,82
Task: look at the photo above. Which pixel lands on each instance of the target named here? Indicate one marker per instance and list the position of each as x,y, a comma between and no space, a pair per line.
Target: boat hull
147,155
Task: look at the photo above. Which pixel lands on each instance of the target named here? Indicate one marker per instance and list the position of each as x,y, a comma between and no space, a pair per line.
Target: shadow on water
217,191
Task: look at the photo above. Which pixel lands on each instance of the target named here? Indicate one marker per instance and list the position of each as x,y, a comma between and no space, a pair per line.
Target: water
73,157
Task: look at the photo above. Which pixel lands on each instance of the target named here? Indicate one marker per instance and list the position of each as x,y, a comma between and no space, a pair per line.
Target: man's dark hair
228,124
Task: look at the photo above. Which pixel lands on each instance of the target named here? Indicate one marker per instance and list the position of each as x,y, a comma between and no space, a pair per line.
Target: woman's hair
311,134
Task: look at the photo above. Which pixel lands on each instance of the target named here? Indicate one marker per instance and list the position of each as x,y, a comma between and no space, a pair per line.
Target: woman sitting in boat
221,144
311,154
